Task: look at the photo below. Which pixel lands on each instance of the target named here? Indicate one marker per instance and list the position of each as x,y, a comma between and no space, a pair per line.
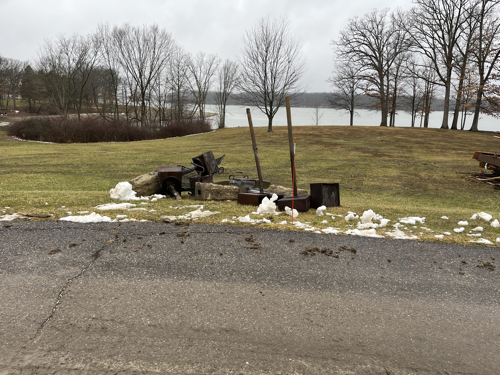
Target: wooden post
254,146
290,144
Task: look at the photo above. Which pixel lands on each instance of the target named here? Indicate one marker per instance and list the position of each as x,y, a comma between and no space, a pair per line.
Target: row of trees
403,58
143,75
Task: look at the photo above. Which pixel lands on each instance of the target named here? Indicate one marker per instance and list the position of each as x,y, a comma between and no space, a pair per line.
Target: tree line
142,75
394,60
403,58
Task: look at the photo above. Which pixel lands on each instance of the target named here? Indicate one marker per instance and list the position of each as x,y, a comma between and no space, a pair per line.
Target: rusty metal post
254,146
290,143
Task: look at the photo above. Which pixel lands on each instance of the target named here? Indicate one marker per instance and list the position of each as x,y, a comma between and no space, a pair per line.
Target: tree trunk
477,111
270,123
446,108
351,117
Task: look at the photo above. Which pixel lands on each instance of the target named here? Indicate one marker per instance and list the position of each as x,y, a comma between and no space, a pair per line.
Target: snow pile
440,236
320,211
495,223
445,218
331,230
197,214
10,217
90,218
364,233
412,220
483,241
477,229
459,230
351,216
267,206
481,215
367,223
115,206
463,223
123,192
193,215
289,212
400,235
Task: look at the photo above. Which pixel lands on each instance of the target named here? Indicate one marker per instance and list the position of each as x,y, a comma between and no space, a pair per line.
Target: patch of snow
481,215
400,235
289,212
483,241
495,223
114,206
459,230
267,206
10,217
320,211
331,230
121,216
477,229
474,234
412,220
82,212
445,218
351,216
447,233
324,222
122,191
463,223
364,233
90,218
440,236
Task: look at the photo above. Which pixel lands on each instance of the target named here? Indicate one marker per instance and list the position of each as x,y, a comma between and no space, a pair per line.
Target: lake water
236,117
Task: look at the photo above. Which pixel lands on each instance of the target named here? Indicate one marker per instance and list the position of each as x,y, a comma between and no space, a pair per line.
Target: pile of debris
490,163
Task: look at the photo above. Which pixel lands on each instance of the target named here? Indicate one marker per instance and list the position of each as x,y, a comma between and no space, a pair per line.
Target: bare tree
32,87
435,31
373,42
202,68
227,77
486,49
346,81
58,62
271,66
142,53
178,85
13,74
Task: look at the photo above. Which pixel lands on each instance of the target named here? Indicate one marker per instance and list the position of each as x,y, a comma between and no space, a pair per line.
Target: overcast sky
215,26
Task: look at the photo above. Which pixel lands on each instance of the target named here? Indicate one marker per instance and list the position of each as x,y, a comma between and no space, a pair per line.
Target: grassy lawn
396,172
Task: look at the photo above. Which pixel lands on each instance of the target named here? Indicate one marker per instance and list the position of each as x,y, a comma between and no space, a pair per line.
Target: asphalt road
156,298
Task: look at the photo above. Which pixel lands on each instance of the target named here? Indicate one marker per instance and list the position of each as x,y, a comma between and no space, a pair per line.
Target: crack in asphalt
94,256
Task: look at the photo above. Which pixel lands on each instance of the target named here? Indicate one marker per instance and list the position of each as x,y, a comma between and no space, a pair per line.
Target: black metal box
325,195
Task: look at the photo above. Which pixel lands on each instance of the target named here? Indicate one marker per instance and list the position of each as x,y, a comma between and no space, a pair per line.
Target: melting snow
267,206
483,241
320,211
289,212
481,215
459,230
495,223
351,216
90,218
463,222
412,220
114,206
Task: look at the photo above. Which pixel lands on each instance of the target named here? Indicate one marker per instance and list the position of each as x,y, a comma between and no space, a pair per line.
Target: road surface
157,298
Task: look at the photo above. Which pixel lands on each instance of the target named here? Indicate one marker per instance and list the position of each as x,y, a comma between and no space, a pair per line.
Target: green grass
396,172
